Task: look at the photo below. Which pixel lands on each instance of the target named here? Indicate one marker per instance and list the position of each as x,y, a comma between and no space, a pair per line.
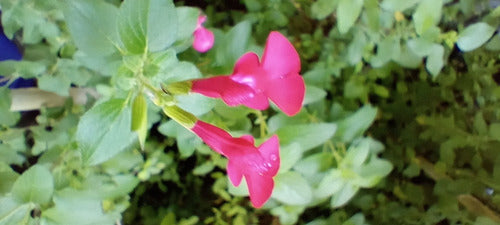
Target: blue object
9,51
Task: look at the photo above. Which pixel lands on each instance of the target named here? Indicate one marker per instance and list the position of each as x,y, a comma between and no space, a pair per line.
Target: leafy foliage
401,123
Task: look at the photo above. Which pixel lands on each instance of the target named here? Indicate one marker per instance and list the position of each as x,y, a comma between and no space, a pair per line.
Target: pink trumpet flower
257,164
252,83
203,38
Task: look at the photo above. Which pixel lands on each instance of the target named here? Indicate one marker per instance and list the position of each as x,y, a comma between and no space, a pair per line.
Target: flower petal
203,39
234,173
247,64
213,136
260,188
280,58
231,92
290,94
270,151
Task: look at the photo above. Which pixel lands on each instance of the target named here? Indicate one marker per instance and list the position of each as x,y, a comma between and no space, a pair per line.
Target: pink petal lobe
290,95
201,20
270,150
203,39
280,57
247,63
212,86
248,138
234,173
216,138
231,92
260,188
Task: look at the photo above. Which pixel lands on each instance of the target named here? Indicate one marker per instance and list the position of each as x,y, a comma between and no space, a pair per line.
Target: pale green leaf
474,36
348,12
76,208
427,15
35,185
7,117
13,212
104,131
147,25
292,189
343,195
398,5
330,184
313,94
435,61
356,124
289,155
307,136
322,8
92,17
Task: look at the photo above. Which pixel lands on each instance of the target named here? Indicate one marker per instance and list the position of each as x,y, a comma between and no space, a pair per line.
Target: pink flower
257,165
276,77
203,38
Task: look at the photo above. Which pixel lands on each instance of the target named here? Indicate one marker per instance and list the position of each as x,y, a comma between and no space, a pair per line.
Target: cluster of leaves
425,71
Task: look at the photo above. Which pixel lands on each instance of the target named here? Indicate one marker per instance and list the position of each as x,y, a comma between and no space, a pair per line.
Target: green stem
262,122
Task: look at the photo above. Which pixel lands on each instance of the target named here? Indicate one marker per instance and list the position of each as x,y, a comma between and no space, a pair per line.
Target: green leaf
104,131
407,58
288,214
7,118
387,49
322,8
186,140
307,136
330,184
292,189
313,94
356,155
435,61
289,155
147,24
356,124
427,15
357,47
494,131
76,208
314,164
372,172
348,12
196,104
230,46
398,5
8,177
35,185
58,84
140,118
343,195
13,212
474,36
92,17
187,17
